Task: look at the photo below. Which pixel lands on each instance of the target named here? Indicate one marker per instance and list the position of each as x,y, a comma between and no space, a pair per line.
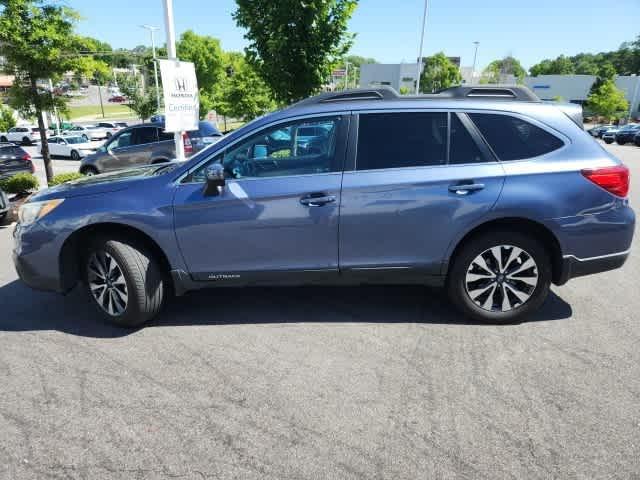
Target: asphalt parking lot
323,383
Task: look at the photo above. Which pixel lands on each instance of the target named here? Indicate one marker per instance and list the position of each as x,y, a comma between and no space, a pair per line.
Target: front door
418,179
277,217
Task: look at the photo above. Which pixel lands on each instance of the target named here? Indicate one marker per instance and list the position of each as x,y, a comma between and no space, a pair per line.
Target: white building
396,75
576,88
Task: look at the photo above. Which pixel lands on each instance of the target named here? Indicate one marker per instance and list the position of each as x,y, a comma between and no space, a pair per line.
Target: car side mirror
214,174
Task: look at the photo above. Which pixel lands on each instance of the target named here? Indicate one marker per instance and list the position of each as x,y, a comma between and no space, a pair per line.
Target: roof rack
506,92
384,93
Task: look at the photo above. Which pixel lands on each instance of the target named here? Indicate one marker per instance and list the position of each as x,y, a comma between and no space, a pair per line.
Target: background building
576,88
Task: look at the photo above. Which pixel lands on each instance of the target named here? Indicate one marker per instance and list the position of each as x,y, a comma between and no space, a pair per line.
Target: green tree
142,103
608,100
559,66
293,45
243,93
37,42
438,73
499,69
207,57
7,119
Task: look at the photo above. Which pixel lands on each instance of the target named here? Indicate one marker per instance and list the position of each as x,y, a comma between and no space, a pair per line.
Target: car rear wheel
608,141
620,142
75,155
500,277
124,281
26,141
89,171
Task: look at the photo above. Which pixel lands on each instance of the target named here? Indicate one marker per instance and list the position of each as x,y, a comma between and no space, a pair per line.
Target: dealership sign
181,100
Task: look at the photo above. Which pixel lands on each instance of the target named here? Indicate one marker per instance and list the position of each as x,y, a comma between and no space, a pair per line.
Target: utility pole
419,63
346,75
152,29
171,53
475,57
634,100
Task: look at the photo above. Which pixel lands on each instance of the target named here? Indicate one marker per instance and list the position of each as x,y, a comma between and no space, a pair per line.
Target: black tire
26,141
145,282
89,170
608,142
3,139
86,139
108,135
620,142
480,244
75,155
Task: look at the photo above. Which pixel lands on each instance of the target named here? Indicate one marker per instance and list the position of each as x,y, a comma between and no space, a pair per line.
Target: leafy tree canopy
608,100
498,69
438,73
293,45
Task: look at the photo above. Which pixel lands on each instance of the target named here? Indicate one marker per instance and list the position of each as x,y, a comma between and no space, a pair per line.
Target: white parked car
72,147
112,127
89,132
24,134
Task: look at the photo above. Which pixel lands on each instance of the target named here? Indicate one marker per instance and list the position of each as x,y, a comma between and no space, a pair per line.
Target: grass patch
110,111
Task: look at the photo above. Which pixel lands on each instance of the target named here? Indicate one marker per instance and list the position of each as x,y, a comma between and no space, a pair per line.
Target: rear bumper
573,267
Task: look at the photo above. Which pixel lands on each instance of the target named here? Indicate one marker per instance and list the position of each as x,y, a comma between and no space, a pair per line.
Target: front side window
396,140
121,141
512,138
299,148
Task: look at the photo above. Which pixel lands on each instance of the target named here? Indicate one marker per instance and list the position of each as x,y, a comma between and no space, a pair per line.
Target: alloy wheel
501,278
107,284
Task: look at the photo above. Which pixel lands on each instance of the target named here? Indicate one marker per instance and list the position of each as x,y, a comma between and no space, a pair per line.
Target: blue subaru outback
488,192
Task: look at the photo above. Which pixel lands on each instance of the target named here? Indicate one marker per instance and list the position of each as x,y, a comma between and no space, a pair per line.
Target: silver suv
145,144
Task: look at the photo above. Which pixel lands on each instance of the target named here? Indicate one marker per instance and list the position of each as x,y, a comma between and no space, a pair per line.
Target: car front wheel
500,277
75,155
124,281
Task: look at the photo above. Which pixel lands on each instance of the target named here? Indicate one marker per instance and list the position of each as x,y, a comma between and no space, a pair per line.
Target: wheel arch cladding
78,241
518,224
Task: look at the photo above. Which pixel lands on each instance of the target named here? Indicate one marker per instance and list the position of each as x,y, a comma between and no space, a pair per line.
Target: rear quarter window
512,138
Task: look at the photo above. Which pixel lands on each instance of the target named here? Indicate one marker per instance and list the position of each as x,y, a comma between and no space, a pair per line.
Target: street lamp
152,29
419,63
475,57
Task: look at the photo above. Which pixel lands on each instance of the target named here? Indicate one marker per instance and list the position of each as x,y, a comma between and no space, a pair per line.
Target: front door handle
466,188
317,199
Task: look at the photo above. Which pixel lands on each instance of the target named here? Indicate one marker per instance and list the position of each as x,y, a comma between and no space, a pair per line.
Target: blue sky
389,30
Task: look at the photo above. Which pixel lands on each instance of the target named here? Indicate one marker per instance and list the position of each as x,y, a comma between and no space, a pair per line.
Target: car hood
104,183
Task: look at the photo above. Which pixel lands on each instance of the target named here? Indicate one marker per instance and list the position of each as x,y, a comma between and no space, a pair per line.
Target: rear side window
463,147
144,135
397,140
514,139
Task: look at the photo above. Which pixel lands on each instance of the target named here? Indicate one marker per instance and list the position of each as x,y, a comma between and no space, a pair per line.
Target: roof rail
378,93
506,92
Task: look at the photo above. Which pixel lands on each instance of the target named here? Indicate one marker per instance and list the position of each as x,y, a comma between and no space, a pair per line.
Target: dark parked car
599,130
13,160
485,191
636,139
145,144
626,133
4,205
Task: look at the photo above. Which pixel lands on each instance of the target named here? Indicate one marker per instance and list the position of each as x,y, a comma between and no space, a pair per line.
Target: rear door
417,179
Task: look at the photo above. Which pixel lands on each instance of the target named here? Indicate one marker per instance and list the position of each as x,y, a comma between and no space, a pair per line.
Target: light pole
419,63
346,75
152,29
171,53
475,57
634,100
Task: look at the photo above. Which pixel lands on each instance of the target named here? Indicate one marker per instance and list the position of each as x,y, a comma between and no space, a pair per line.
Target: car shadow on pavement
22,309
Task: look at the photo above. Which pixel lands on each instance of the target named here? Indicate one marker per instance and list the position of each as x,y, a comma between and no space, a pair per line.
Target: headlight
32,211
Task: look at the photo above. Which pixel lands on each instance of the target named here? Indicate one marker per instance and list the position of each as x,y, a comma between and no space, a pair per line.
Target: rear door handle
317,199
466,188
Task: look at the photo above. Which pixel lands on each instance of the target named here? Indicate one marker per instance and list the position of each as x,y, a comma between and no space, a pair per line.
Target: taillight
613,179
26,157
188,148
